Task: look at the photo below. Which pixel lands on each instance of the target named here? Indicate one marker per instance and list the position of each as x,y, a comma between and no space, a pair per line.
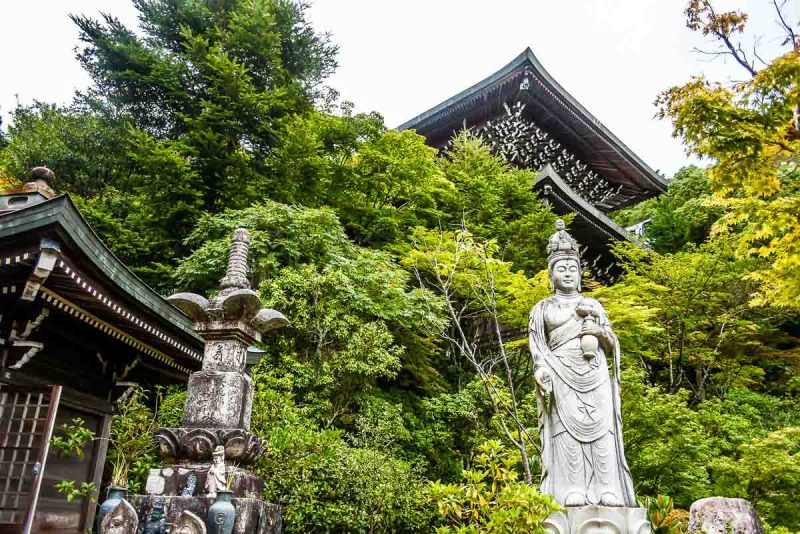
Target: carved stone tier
598,520
253,516
198,444
218,399
173,479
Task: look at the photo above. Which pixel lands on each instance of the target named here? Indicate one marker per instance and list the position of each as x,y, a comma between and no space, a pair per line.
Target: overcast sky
402,57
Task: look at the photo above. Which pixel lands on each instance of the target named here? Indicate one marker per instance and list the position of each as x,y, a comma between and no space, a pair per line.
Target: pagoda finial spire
236,276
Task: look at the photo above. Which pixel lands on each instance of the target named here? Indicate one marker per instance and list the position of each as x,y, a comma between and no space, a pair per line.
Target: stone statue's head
219,454
563,260
116,526
565,275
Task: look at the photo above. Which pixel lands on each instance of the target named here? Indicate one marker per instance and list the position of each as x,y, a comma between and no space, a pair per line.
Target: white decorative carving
189,523
44,266
598,520
21,340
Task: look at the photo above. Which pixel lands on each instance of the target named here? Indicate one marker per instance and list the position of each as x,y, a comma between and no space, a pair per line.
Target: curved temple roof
554,110
89,282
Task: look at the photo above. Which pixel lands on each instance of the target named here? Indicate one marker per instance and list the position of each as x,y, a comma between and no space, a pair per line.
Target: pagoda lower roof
595,231
551,108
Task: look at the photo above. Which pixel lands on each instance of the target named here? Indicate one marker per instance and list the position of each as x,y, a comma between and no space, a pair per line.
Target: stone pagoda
216,416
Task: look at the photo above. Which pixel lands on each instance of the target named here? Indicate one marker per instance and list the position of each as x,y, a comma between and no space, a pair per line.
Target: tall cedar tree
213,81
196,101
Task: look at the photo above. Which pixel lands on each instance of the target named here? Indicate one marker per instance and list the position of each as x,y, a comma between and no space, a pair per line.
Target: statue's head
117,525
219,454
564,260
565,275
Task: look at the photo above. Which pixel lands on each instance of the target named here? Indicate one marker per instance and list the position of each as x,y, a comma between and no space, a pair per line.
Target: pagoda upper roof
554,110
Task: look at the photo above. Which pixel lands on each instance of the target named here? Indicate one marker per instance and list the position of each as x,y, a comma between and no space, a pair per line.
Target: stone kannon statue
576,359
215,480
121,520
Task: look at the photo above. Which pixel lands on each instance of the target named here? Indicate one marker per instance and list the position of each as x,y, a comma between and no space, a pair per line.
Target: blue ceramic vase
115,496
221,514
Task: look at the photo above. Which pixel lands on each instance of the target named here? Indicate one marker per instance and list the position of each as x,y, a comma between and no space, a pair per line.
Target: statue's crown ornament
562,246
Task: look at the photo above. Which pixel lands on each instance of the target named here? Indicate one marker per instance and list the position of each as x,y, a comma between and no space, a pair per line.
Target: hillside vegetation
375,416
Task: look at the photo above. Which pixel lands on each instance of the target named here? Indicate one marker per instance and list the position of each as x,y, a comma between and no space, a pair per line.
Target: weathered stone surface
123,519
253,516
224,355
721,515
217,399
598,520
199,444
189,523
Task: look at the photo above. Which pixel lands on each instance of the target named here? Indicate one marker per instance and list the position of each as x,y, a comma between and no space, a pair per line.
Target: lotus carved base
598,520
198,443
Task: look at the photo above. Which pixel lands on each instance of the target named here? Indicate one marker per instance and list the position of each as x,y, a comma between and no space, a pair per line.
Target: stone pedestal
173,479
253,516
598,520
720,515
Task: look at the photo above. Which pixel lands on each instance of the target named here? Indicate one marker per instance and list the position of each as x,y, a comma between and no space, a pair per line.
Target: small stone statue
156,523
215,480
121,520
561,241
571,340
191,484
189,523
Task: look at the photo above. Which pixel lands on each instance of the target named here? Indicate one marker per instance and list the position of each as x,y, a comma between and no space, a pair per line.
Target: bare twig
791,36
480,302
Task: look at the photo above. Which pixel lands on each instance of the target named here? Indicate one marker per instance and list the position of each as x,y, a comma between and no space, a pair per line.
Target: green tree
751,131
349,306
184,117
86,148
497,202
680,218
665,442
687,318
491,498
324,483
767,473
483,295
211,83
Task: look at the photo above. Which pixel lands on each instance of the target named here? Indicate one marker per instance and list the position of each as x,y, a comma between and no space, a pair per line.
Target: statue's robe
579,421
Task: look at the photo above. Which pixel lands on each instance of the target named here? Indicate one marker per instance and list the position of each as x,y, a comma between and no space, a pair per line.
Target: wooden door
27,417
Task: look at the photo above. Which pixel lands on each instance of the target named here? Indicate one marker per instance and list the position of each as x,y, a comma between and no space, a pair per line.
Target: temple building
77,328
582,168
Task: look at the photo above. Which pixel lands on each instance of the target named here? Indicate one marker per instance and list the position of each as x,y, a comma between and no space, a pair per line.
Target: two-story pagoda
526,116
